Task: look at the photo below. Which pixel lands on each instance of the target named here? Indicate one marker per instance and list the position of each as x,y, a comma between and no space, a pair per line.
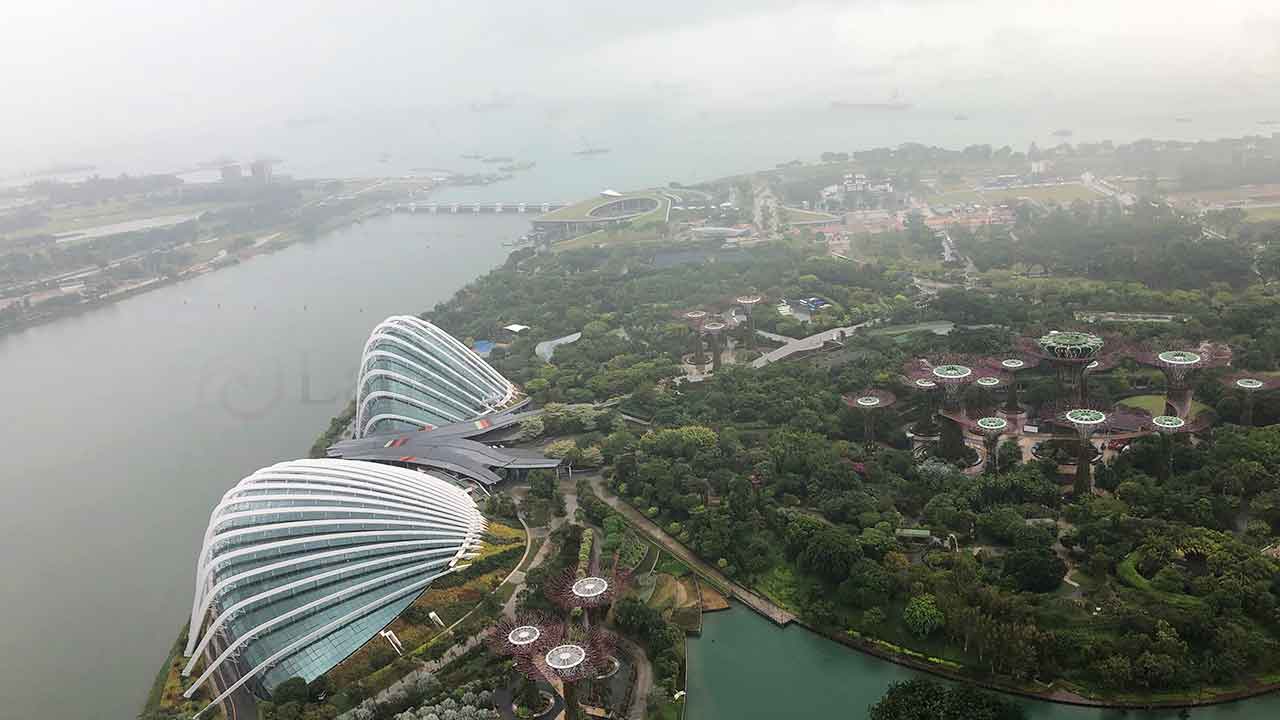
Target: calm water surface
744,667
120,428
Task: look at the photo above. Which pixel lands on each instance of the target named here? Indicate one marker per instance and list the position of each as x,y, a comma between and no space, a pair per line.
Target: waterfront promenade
760,604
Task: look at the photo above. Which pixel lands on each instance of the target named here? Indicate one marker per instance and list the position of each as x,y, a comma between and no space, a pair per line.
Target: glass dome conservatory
304,561
415,376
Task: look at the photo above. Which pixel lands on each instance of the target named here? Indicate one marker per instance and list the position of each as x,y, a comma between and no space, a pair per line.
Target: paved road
671,545
808,344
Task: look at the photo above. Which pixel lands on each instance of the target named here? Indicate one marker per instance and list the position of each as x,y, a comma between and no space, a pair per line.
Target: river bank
279,239
176,394
742,666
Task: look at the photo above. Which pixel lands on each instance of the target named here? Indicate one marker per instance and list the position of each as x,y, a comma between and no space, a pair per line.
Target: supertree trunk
1011,405
1246,411
715,352
952,440
1083,485
571,710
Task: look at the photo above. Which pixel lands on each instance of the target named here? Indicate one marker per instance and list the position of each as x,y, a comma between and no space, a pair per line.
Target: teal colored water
744,667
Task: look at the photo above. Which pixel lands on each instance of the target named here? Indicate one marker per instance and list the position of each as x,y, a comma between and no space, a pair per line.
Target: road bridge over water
476,207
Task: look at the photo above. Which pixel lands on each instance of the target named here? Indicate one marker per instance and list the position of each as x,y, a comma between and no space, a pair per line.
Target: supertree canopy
570,591
524,635
580,655
1177,365
869,402
1249,385
1069,353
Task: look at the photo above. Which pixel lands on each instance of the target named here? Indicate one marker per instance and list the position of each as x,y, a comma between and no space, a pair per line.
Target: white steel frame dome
304,561
414,376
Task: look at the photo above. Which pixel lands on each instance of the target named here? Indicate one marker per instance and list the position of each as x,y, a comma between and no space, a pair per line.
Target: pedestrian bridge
476,207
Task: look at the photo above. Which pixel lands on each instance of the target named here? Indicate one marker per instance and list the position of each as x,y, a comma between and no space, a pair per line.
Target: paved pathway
671,545
808,344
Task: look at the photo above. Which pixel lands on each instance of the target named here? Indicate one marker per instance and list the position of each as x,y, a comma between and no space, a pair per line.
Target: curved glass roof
304,561
413,376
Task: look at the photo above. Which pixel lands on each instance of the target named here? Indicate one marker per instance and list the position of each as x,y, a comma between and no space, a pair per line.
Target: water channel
744,667
121,427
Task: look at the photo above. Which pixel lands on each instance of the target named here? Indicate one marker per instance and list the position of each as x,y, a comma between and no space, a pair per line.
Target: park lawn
1154,404
957,197
664,592
1263,214
1065,194
794,215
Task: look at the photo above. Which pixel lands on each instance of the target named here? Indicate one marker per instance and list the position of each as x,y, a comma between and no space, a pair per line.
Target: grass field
1264,214
795,215
1154,404
1064,194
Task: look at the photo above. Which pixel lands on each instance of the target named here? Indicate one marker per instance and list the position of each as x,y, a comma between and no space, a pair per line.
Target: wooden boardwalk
711,573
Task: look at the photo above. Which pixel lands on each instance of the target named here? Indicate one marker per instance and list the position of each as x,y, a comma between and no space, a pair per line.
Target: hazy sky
84,73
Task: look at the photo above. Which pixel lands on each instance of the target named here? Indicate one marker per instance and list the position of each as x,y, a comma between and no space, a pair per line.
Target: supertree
926,425
570,591
580,655
1086,419
951,373
991,428
696,319
1250,386
748,303
1013,364
1069,353
869,402
987,381
714,330
524,635
1177,366
1170,426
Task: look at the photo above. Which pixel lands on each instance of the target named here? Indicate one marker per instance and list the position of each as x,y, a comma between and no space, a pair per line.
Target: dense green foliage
927,700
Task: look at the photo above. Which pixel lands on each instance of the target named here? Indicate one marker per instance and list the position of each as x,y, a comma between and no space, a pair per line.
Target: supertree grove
1250,385
1177,366
869,402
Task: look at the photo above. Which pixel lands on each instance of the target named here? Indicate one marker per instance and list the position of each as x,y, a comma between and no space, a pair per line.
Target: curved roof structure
415,376
304,561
